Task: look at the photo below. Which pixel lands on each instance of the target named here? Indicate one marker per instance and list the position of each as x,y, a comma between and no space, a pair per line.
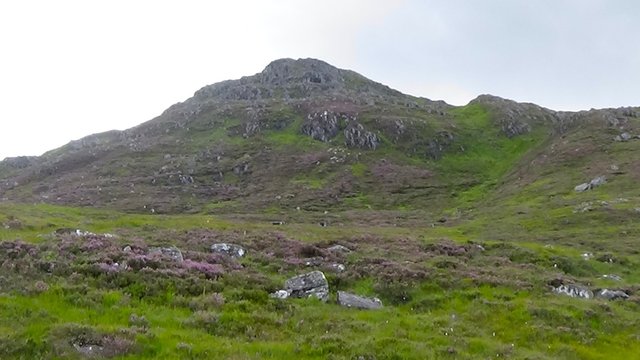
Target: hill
497,229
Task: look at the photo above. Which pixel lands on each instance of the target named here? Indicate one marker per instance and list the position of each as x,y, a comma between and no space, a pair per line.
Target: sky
72,68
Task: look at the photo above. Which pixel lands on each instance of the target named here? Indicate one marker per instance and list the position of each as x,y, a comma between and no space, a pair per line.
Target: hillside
302,133
497,229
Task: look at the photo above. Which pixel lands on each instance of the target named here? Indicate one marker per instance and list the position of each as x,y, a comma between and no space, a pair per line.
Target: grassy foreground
458,290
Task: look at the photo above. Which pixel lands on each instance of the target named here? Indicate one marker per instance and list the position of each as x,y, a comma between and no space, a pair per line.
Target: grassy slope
481,304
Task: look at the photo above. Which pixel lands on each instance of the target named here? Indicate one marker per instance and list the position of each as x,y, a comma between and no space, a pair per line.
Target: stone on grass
313,284
340,249
232,250
171,252
280,294
582,187
358,302
612,294
612,277
573,290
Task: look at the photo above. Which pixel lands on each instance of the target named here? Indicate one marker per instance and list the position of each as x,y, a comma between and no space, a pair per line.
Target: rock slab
313,284
358,302
232,250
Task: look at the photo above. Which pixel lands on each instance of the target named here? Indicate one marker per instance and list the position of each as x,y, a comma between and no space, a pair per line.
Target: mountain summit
303,134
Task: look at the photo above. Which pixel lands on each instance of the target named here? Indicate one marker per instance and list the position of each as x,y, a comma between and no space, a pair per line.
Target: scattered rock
337,267
625,136
280,294
575,291
358,302
232,250
612,277
307,285
612,294
582,187
606,258
587,256
600,180
90,350
171,252
339,249
313,261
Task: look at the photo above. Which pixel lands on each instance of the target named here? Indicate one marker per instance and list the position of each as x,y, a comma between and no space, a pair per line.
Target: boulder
339,249
171,252
582,187
313,284
612,294
232,250
600,180
573,290
358,302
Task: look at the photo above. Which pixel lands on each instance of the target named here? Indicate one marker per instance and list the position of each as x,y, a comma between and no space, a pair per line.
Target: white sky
72,68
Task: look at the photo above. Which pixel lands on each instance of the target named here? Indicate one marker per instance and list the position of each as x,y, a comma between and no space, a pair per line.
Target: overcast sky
72,68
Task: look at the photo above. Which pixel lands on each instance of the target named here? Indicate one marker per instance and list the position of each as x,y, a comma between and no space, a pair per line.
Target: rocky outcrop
232,250
356,136
439,144
358,302
323,126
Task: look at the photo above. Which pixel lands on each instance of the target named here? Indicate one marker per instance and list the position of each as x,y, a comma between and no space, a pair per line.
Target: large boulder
358,302
232,250
313,284
573,290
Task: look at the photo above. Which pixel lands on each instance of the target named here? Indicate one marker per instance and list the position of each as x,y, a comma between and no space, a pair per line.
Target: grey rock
573,290
337,267
232,250
612,294
600,180
612,277
313,261
323,126
356,136
171,252
625,136
582,187
313,284
595,182
358,302
339,249
280,294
